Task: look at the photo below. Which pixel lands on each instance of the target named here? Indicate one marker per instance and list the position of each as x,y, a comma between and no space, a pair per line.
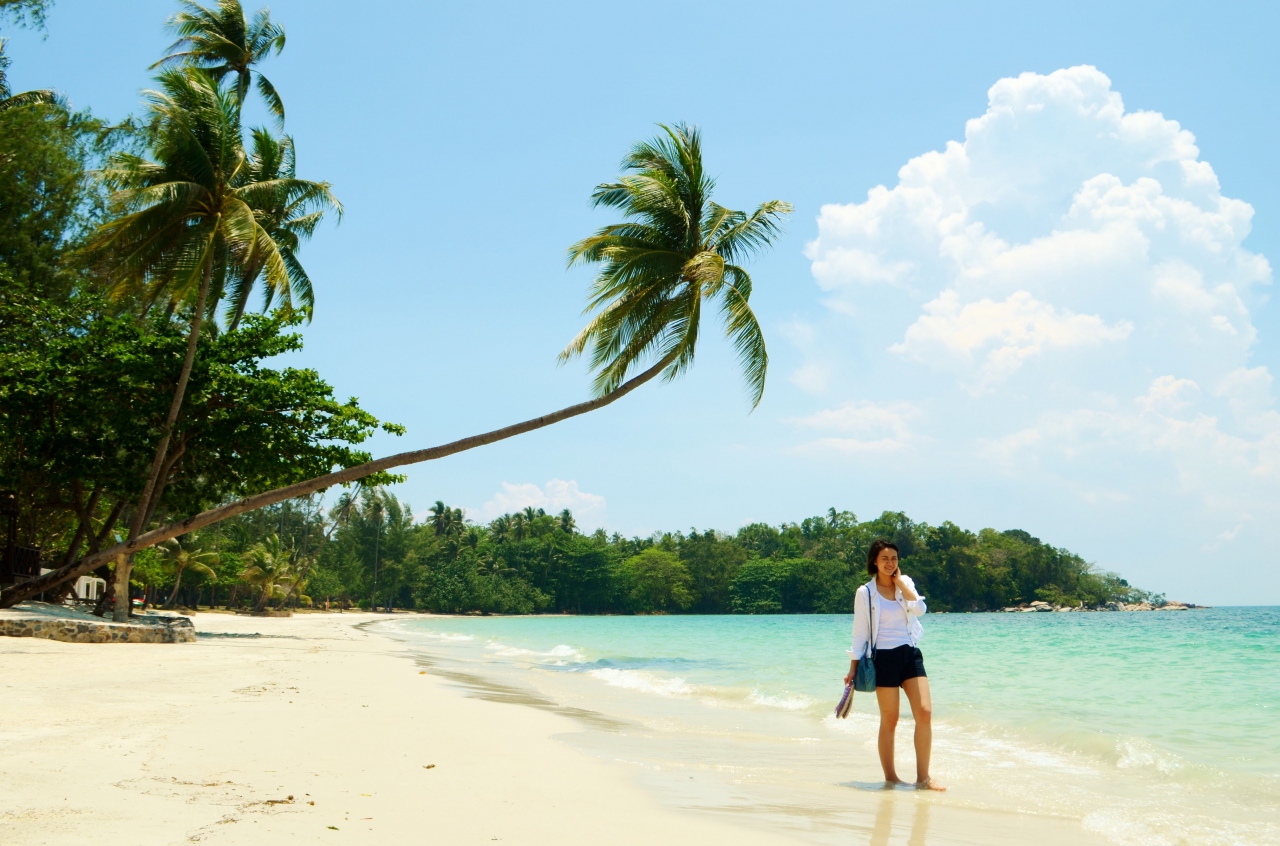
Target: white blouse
907,611
892,629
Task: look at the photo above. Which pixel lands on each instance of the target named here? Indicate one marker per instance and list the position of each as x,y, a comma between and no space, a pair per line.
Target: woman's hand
853,666
908,593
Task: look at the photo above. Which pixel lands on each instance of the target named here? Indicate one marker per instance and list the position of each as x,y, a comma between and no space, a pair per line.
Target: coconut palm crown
203,207
289,215
224,42
676,250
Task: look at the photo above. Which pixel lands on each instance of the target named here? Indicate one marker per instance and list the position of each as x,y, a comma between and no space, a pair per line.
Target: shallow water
1144,728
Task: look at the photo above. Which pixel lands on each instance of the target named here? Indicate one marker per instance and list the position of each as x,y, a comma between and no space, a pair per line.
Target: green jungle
150,274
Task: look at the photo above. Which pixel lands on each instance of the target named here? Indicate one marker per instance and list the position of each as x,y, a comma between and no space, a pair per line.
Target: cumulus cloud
1005,333
555,496
1065,298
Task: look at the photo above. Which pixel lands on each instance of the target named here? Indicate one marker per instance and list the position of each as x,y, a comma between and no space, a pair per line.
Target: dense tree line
367,551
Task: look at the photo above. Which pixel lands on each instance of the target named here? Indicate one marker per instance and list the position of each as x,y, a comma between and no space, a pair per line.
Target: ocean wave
447,636
642,681
557,654
785,702
1139,754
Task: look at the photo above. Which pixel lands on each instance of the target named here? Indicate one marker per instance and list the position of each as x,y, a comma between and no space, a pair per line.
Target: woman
886,615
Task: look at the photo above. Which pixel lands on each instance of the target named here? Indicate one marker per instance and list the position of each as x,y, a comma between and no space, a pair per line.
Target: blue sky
1061,323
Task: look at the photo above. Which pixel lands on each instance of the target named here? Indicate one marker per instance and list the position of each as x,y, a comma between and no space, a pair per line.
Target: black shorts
894,666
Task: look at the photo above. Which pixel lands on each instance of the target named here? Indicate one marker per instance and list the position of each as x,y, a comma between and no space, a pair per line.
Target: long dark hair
878,546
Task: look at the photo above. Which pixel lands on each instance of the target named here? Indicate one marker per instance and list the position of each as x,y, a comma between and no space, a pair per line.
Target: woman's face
887,563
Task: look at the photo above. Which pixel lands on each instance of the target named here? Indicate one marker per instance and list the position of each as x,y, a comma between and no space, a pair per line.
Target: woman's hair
878,546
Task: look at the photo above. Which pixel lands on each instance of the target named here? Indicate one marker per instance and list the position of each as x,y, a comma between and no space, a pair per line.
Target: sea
1126,728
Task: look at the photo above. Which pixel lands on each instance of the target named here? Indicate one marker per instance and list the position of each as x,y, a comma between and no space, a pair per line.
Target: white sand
205,742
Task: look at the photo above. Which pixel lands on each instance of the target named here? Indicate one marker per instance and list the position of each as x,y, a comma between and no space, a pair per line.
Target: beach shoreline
318,728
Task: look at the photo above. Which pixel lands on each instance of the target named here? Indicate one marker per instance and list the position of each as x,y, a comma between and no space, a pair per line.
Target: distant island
368,552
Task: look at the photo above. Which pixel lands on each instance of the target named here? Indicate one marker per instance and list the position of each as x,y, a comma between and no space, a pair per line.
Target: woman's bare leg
888,699
917,691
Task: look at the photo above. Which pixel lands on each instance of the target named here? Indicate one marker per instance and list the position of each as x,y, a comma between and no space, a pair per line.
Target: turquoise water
1144,728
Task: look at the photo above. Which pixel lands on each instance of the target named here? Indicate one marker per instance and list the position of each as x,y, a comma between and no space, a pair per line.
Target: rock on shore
1041,605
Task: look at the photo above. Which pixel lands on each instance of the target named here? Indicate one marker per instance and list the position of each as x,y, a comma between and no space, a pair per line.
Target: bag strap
871,618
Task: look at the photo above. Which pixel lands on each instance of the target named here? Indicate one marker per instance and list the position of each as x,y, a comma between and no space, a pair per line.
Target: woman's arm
915,602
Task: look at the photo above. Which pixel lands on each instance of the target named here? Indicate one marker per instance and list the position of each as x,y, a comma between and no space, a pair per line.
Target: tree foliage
533,562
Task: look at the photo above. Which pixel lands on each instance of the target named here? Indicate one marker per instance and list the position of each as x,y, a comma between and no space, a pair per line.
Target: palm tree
567,523
500,529
289,215
446,521
223,42
184,219
675,249
192,555
270,567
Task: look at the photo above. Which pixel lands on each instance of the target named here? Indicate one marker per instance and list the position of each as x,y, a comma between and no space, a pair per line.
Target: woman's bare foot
891,783
929,784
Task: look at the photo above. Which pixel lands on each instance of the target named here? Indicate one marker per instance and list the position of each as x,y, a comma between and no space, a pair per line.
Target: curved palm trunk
176,582
124,568
17,593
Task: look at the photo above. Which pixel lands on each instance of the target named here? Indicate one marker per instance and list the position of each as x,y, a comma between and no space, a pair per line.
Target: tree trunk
17,593
176,582
145,503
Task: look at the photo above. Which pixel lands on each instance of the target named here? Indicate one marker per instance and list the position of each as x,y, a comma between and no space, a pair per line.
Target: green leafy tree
85,390
657,581
713,562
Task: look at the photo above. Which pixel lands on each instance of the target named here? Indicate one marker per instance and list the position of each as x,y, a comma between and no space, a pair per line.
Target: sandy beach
232,740
321,731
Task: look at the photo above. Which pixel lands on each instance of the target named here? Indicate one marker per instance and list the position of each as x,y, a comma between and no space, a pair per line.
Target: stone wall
153,630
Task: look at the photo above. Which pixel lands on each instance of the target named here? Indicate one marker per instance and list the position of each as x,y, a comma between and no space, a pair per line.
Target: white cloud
555,496
1077,289
1006,333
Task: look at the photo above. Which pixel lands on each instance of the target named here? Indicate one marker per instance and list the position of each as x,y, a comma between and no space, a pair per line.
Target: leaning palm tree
183,222
675,250
223,42
179,557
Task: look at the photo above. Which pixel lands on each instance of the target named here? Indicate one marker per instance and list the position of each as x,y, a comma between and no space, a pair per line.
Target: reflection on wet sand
882,831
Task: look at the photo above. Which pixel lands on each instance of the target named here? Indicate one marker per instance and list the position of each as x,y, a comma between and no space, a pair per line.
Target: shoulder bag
864,678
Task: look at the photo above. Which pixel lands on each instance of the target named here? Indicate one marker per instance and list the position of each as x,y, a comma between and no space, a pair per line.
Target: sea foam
641,681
